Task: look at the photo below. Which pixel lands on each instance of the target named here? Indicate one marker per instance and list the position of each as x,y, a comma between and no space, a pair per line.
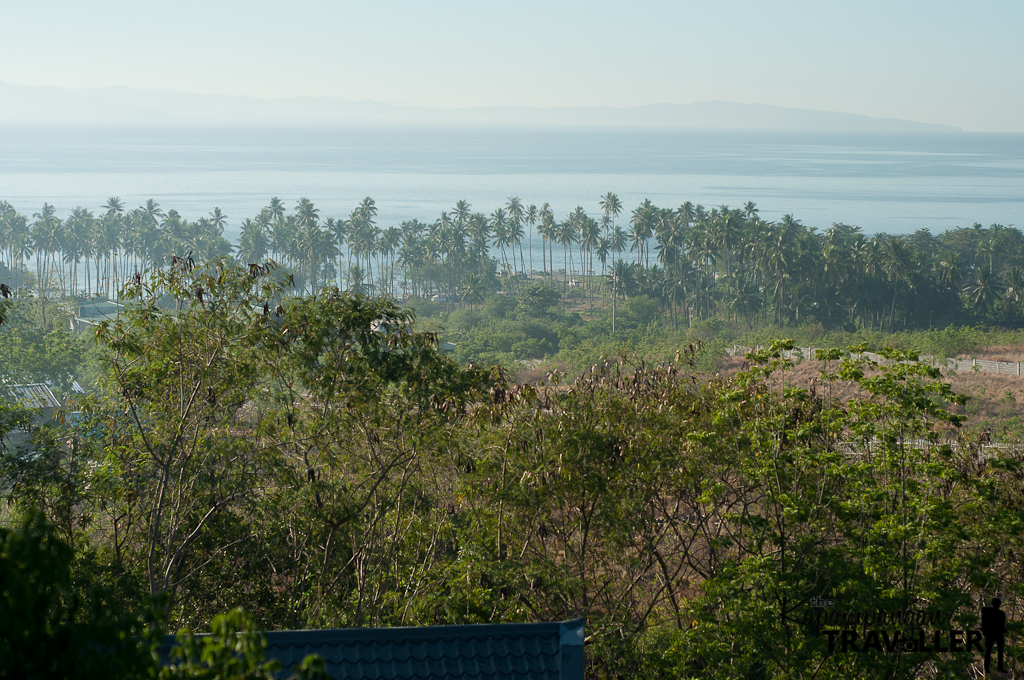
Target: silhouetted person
993,627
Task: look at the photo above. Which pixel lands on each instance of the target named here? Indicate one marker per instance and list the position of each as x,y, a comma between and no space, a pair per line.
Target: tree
949,272
473,289
51,629
566,235
182,378
499,228
516,216
218,219
984,290
226,402
55,623
234,650
532,217
252,242
1013,292
611,206
898,267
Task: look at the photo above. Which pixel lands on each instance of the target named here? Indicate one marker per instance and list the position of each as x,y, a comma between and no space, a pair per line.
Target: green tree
53,627
233,650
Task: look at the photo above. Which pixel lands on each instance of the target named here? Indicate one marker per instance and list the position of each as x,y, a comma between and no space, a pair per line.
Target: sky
954,63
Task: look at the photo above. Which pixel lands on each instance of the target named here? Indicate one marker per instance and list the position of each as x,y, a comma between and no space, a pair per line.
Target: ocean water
881,183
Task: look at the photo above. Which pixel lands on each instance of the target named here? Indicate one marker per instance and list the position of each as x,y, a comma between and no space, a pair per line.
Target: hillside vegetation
319,461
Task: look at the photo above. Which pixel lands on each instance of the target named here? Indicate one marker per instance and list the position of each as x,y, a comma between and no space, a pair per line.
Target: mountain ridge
120,104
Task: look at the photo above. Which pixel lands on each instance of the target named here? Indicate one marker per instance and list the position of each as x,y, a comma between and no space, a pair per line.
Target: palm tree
413,253
745,299
500,233
46,237
988,248
321,251
79,230
618,239
473,289
671,237
547,231
114,205
565,235
590,234
338,229
22,248
390,241
252,242
368,208
778,256
355,277
621,273
152,209
7,216
149,236
984,290
515,237
532,215
276,208
461,212
218,219
642,229
280,237
106,241
897,266
479,234
729,227
949,274
603,250
309,240
516,215
611,206
1013,293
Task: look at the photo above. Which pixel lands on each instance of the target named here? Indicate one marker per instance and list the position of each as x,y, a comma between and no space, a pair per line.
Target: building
525,651
93,313
38,397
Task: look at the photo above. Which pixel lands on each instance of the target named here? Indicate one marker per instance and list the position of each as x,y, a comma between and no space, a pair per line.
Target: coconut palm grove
694,262
505,416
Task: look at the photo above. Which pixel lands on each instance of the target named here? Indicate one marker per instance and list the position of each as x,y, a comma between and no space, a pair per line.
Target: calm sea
892,183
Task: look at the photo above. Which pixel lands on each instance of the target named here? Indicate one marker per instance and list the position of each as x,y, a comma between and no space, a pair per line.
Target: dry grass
531,374
996,404
1008,353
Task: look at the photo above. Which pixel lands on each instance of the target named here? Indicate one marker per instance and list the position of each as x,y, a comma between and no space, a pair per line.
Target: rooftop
525,651
34,395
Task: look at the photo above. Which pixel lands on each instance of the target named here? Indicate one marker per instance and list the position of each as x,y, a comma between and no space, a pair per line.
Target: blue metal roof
521,651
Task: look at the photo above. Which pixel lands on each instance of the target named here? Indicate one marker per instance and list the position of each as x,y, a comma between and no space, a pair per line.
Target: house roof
524,651
34,395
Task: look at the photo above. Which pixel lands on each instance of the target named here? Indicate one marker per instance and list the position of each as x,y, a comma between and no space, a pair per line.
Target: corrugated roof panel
527,651
34,395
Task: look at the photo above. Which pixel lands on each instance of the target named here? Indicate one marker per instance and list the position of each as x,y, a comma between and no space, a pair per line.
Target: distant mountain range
27,104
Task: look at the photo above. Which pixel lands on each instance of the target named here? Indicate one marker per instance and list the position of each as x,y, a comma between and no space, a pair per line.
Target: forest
276,425
694,263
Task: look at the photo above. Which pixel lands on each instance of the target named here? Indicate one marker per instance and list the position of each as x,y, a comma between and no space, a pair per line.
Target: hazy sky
958,63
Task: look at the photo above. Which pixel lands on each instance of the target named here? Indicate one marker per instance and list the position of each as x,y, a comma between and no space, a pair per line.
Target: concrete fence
1003,367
